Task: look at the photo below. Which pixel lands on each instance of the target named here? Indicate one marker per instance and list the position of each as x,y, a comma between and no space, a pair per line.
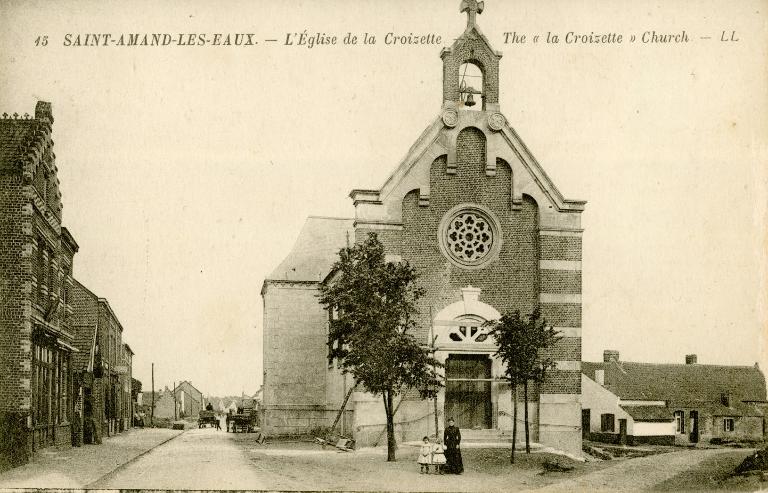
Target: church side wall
295,360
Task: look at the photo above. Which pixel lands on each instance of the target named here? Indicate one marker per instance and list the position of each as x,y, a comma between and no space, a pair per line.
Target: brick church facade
488,232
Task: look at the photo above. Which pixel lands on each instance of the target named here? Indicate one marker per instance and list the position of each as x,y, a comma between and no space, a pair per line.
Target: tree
372,304
522,344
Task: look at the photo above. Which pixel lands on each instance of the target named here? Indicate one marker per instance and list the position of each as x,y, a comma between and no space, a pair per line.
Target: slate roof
683,385
315,250
188,387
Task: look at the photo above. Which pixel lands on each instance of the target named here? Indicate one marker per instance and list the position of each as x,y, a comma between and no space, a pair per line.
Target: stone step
486,436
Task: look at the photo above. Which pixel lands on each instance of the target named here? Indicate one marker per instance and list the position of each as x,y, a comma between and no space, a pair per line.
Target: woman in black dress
452,440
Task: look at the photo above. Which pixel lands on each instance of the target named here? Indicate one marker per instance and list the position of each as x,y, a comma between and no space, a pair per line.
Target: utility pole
152,410
432,339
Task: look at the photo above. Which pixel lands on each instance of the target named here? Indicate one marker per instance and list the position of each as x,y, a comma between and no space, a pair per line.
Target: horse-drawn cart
245,420
207,418
242,422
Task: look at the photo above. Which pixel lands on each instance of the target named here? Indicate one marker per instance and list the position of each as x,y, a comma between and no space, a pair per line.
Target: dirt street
643,474
197,459
210,459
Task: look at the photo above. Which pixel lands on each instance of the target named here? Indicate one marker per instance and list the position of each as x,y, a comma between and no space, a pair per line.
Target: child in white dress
425,455
438,456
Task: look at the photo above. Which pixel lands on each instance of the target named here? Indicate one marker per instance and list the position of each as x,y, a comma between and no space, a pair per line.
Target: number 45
41,41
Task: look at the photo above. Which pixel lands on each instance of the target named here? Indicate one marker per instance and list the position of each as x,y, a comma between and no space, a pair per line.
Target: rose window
469,237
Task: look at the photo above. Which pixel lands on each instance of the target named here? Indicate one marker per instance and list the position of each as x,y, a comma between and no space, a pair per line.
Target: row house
47,364
104,364
126,384
672,404
36,261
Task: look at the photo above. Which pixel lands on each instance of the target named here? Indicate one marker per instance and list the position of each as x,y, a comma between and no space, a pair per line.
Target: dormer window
471,87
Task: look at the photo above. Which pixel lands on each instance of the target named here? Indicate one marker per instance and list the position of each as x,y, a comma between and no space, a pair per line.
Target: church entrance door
468,390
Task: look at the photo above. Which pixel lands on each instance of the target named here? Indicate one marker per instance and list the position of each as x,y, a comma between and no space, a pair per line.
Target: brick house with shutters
488,232
103,365
36,261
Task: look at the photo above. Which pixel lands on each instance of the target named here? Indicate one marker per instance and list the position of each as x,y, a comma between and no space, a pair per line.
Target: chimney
43,111
690,359
600,377
725,399
610,355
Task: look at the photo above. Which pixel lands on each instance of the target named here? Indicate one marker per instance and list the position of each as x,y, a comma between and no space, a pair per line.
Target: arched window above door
469,329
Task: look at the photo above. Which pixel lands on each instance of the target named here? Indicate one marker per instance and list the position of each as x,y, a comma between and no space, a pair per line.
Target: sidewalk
78,467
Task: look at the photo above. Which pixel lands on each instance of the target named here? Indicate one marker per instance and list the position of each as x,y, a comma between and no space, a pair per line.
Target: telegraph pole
152,409
432,339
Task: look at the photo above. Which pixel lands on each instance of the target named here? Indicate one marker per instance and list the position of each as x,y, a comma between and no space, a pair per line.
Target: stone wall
297,382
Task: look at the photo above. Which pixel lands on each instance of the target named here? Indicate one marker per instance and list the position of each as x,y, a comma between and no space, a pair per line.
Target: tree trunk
514,421
527,436
390,426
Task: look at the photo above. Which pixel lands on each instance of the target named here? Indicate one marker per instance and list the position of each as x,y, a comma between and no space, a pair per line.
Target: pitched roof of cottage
187,385
649,413
680,384
315,250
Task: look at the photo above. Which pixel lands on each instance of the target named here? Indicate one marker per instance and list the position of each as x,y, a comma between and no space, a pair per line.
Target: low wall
301,420
615,439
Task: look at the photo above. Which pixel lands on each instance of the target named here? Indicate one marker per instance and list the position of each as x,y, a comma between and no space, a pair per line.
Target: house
182,401
36,265
126,386
487,231
231,408
165,404
189,399
104,365
628,402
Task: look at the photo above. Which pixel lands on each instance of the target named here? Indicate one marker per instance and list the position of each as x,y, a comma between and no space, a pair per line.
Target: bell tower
471,67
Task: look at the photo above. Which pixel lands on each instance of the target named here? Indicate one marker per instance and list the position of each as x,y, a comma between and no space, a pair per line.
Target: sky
188,171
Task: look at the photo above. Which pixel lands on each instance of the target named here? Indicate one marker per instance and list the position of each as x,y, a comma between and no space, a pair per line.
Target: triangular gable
471,33
439,138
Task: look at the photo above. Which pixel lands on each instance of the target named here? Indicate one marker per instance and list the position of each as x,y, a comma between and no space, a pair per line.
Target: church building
487,231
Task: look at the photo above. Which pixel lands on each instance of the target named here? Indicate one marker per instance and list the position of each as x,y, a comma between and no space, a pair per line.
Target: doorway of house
623,431
468,390
585,423
694,421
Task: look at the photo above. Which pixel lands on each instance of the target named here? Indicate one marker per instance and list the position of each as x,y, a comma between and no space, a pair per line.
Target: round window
469,235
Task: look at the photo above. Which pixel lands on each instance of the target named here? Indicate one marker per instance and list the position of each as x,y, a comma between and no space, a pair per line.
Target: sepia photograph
384,245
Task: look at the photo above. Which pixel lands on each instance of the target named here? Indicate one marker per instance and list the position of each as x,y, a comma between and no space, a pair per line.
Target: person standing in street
452,440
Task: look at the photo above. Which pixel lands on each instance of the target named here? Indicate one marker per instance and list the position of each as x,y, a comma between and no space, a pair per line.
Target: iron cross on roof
472,8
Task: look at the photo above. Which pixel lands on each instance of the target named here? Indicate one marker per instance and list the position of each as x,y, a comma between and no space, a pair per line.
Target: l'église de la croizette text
299,38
